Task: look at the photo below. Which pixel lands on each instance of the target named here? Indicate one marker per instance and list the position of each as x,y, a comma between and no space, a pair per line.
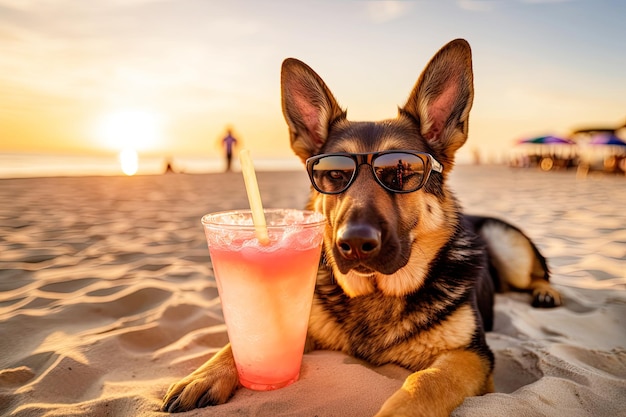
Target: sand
107,296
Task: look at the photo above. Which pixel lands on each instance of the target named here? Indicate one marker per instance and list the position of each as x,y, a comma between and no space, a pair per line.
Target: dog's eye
336,175
336,180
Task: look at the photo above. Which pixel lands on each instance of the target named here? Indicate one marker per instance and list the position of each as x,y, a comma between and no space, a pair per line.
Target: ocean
28,165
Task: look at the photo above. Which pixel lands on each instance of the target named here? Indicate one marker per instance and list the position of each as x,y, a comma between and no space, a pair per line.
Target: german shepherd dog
405,277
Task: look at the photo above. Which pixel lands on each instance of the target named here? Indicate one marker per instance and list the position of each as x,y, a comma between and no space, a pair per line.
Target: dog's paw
546,297
197,391
211,384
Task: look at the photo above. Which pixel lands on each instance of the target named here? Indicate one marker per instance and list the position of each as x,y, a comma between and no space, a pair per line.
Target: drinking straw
260,227
254,196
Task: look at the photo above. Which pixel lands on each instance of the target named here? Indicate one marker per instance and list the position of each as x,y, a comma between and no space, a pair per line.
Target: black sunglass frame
368,158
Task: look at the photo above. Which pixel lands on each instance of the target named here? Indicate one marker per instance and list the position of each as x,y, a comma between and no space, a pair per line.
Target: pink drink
266,290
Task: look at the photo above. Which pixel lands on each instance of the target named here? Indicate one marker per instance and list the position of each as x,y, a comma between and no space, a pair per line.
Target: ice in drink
266,290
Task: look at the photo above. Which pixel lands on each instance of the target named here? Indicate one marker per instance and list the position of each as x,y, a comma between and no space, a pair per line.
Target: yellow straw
254,196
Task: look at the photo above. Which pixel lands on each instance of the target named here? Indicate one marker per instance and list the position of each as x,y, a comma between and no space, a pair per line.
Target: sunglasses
395,171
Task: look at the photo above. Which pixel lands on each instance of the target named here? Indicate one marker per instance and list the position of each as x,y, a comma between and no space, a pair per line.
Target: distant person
229,142
169,167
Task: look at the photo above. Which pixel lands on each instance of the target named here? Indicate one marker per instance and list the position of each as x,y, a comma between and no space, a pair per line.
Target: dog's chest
384,330
362,326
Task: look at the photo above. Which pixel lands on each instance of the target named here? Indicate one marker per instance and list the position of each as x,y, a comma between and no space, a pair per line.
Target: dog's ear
309,107
442,98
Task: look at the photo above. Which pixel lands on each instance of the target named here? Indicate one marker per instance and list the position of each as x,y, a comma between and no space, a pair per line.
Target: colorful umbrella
546,140
607,140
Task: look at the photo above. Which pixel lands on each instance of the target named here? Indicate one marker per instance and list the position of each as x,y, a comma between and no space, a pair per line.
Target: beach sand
107,296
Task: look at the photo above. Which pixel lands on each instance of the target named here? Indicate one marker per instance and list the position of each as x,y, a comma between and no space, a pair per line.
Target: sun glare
129,160
136,129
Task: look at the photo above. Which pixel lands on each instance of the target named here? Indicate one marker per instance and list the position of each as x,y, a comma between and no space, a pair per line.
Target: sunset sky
167,77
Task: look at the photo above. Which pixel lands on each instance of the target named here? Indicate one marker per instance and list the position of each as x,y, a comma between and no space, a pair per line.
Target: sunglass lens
332,174
400,171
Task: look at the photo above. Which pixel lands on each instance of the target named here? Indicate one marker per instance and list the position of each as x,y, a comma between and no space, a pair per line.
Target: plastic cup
266,289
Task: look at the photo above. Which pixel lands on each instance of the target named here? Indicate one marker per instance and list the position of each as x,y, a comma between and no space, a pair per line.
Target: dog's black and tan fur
407,278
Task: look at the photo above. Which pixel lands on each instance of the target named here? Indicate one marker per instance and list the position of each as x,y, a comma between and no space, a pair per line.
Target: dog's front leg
439,389
211,384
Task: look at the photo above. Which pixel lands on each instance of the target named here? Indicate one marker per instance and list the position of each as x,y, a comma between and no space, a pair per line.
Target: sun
129,161
130,129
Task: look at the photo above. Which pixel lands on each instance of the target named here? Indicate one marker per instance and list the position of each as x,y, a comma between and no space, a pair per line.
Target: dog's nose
359,241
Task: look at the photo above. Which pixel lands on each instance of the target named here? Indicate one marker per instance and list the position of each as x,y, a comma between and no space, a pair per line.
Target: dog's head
378,239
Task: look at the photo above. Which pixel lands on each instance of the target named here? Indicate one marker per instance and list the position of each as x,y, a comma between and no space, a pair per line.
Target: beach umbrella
607,140
607,146
549,147
546,140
